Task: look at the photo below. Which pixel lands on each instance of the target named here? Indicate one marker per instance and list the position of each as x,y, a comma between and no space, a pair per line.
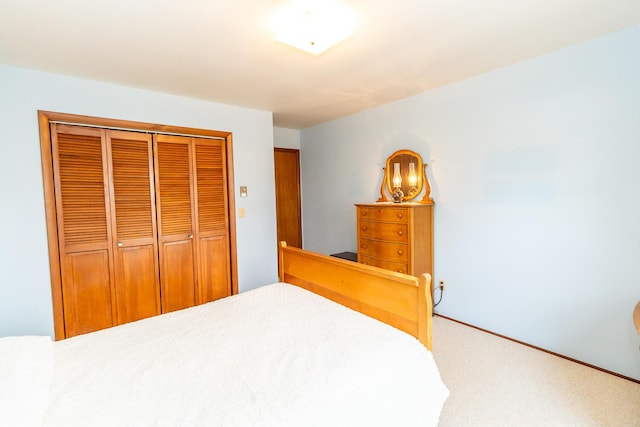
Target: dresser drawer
389,251
383,231
398,267
386,214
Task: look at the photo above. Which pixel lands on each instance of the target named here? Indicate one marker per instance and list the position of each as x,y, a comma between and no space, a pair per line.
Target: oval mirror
404,177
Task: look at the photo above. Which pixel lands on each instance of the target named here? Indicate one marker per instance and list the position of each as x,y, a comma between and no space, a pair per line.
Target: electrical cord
439,300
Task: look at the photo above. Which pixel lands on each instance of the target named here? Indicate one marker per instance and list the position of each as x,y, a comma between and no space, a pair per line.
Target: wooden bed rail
399,300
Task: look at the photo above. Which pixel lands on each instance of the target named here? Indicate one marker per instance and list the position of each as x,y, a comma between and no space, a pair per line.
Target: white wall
286,138
535,173
25,293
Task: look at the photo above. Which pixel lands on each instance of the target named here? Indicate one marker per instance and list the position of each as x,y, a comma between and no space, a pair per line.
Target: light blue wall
535,173
286,138
25,293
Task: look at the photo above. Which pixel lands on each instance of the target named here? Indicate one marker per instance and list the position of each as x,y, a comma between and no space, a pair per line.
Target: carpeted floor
497,382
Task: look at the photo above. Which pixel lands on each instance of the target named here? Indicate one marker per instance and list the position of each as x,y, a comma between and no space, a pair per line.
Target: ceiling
223,50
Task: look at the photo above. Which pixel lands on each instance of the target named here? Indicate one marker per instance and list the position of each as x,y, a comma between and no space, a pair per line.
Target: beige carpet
497,382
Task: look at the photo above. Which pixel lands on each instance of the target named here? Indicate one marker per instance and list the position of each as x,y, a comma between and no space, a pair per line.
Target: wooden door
84,229
109,232
134,239
212,225
176,211
288,206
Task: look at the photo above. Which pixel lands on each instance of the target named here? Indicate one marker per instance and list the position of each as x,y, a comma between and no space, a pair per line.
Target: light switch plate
243,191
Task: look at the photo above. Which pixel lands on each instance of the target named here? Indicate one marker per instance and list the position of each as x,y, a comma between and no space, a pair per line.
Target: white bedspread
26,368
275,356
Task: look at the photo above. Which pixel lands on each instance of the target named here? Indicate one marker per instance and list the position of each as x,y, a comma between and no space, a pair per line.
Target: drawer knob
364,213
400,215
400,232
365,228
399,270
364,246
400,252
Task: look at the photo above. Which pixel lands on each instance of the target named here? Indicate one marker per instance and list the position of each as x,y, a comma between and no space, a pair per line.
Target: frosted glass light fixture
312,25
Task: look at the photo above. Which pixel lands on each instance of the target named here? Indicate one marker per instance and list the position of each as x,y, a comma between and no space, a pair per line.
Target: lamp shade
397,178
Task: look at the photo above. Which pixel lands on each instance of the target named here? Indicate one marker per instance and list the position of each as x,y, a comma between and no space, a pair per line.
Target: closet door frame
45,119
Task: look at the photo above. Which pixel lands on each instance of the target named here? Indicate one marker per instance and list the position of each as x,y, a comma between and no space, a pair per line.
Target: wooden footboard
399,300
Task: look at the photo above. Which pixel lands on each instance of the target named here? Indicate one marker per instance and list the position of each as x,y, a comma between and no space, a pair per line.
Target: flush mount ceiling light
312,26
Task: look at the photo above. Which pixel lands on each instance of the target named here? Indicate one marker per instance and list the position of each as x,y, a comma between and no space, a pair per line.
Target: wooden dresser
396,236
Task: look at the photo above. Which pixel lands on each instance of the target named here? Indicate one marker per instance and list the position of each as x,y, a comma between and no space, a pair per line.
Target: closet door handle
191,236
120,244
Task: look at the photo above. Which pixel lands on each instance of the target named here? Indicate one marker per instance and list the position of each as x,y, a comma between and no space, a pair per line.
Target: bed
284,354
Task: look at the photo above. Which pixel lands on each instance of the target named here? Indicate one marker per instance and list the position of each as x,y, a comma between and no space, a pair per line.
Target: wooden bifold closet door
142,224
86,258
193,221
134,225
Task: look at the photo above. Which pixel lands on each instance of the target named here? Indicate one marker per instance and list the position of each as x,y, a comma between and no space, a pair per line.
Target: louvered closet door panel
214,271
174,197
86,292
134,226
82,208
211,187
213,221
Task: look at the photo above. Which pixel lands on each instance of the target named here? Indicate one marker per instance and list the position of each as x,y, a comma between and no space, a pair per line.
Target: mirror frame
404,157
